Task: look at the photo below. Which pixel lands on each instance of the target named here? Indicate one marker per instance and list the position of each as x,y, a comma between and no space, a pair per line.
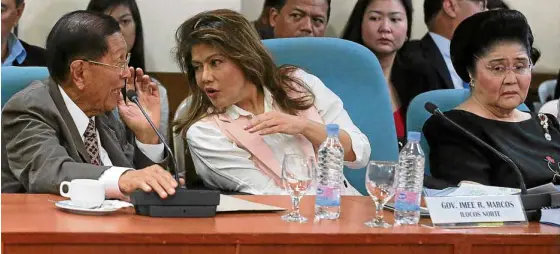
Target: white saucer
108,206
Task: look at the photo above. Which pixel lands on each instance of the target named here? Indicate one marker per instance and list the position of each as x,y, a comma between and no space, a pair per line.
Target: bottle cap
332,129
414,136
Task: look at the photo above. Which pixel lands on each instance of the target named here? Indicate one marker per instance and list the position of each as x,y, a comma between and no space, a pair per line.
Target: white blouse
223,165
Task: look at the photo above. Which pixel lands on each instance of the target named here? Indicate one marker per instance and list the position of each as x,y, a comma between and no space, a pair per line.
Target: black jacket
419,67
36,56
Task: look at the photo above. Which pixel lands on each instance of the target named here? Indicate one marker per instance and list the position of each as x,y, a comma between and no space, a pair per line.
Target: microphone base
185,203
532,203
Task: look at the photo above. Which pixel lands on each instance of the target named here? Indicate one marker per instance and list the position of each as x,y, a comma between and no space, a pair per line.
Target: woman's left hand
277,122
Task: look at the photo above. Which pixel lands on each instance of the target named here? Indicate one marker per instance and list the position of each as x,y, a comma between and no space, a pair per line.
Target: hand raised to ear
148,97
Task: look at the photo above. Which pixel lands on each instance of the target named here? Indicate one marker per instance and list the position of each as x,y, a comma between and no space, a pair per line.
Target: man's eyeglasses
123,66
482,3
501,70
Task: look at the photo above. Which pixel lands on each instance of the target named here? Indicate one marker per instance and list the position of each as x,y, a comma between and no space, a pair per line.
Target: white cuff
110,179
361,149
153,152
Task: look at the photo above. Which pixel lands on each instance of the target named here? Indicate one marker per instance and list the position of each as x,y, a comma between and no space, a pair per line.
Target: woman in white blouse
246,113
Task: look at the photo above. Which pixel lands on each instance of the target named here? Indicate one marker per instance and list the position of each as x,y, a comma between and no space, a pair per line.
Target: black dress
454,157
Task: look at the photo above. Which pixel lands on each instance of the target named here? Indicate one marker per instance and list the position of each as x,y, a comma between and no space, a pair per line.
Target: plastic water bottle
329,176
409,177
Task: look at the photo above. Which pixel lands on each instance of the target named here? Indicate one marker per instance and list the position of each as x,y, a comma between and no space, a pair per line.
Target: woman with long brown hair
246,113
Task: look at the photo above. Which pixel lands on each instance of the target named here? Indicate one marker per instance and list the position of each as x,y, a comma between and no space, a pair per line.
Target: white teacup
84,193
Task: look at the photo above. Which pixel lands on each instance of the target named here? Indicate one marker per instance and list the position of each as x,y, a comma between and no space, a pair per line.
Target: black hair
273,3
279,4
137,51
77,35
496,4
478,33
353,29
18,2
431,9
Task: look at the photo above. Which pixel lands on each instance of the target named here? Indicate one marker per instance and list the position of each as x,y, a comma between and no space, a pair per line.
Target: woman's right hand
277,122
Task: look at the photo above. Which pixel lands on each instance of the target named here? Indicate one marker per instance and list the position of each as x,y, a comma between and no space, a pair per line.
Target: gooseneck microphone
133,96
185,202
434,110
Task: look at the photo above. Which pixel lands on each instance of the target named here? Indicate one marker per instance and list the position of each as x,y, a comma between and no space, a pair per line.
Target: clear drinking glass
297,175
313,164
380,178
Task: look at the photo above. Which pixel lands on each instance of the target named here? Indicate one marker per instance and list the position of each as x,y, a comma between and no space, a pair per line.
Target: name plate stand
476,211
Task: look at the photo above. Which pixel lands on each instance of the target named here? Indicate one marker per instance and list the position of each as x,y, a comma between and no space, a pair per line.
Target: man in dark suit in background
62,128
300,18
262,24
428,60
16,52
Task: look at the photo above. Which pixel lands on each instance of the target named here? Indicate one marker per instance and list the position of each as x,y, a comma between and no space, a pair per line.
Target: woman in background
127,14
493,51
246,112
384,26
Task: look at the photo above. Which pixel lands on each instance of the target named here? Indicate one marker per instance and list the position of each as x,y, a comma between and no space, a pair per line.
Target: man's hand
151,178
148,97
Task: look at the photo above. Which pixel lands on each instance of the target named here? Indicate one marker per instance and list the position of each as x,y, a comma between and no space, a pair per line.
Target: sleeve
110,179
164,118
34,151
454,157
331,109
111,176
153,152
223,165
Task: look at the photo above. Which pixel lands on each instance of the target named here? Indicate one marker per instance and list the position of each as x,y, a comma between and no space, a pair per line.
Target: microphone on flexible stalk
434,110
133,96
532,203
185,202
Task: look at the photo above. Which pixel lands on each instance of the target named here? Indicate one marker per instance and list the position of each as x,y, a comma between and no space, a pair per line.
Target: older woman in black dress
494,52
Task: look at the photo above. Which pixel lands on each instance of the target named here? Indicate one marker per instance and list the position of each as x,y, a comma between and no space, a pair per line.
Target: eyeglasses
123,66
483,3
501,70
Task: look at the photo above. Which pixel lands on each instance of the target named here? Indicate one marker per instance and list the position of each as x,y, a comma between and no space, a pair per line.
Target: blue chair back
446,99
353,73
15,79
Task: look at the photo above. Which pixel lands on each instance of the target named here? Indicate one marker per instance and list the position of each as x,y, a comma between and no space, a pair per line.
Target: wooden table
31,223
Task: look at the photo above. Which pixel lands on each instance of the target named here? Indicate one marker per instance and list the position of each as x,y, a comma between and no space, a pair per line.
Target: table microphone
434,110
531,202
185,202
133,96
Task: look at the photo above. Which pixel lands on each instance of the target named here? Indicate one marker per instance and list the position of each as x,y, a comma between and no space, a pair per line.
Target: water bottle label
327,196
407,201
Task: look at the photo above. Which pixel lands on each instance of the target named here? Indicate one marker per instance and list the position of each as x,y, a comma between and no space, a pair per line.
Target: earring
471,84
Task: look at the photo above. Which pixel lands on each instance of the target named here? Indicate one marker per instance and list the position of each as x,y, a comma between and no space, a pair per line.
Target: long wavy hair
137,51
234,36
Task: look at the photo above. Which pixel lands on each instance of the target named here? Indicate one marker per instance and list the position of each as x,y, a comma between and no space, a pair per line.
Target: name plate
476,211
